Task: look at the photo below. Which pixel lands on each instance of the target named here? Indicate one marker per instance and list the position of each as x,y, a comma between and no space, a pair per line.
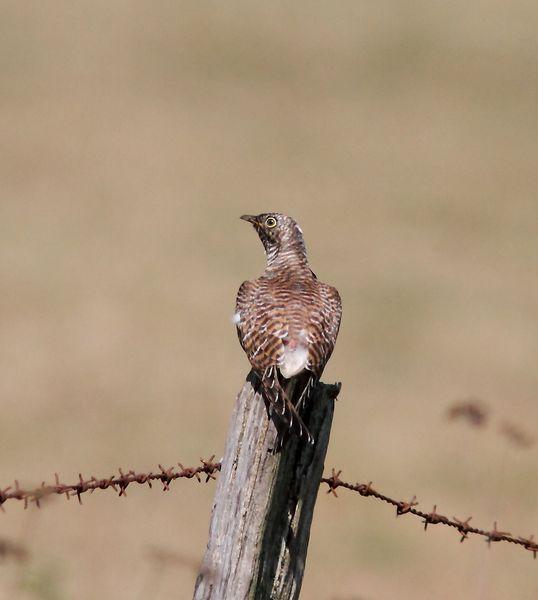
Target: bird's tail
285,415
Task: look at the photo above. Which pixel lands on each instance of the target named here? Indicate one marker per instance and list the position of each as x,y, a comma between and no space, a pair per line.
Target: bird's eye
270,222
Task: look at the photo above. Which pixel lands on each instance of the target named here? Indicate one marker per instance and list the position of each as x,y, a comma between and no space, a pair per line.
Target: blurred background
403,137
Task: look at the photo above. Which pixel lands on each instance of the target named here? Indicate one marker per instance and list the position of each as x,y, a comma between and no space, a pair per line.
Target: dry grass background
403,136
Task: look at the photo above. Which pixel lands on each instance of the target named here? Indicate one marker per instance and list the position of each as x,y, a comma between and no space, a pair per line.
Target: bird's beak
250,218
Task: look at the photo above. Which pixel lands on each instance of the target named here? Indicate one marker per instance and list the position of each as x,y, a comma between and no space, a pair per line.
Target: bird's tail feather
279,401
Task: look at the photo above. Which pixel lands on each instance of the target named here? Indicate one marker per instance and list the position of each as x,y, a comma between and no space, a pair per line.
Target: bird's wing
261,328
255,321
324,321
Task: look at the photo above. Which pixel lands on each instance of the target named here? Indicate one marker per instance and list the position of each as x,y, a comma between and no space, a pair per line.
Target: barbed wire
472,410
119,483
171,558
476,413
11,549
209,468
432,518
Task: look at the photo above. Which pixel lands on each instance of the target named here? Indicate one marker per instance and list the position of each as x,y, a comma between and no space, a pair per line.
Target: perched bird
287,322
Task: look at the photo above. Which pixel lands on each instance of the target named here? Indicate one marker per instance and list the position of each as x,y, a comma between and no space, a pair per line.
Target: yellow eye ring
270,222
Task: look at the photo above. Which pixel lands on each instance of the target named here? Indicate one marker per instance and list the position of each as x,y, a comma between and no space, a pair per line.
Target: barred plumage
287,322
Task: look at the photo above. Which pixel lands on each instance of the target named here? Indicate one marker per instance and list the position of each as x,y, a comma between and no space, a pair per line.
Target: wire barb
209,469
433,518
118,483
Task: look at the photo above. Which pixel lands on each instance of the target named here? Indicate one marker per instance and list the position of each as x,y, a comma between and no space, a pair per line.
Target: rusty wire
169,558
14,550
475,413
471,409
432,518
208,468
119,483
516,435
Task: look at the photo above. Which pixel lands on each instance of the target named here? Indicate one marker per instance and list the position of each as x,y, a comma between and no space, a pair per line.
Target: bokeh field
403,136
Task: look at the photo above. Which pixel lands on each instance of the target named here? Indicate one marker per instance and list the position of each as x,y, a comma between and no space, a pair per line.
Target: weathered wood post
260,525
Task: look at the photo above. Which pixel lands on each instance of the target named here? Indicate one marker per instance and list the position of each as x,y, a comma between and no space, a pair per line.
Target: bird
287,322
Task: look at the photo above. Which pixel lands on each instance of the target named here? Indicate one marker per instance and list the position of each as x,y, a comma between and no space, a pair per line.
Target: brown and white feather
287,321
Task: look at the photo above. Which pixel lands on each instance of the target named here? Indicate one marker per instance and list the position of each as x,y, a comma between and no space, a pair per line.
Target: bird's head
279,234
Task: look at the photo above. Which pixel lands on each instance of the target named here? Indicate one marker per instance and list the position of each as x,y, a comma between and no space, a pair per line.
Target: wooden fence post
260,524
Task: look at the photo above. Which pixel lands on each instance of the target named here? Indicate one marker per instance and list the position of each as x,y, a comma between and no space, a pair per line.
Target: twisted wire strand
208,470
